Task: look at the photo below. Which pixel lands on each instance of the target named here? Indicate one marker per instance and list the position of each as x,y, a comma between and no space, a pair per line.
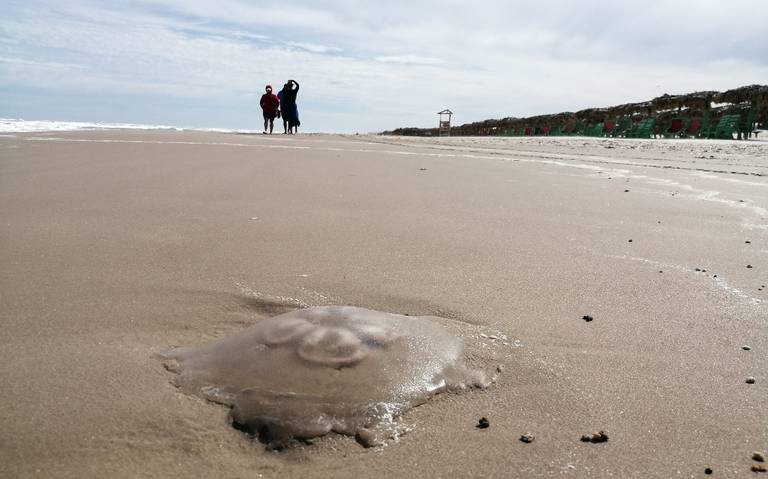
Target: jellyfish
308,372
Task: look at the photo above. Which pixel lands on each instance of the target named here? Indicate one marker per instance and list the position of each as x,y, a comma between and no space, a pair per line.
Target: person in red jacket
270,106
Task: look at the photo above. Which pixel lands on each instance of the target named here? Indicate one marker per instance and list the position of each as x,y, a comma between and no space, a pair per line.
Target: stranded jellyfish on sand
335,368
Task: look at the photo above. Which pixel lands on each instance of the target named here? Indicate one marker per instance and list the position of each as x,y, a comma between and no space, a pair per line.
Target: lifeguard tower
444,128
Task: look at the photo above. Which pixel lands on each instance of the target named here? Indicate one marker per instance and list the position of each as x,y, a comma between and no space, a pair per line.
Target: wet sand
117,245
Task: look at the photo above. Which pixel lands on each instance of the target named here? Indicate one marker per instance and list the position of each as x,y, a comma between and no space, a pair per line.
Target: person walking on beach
289,108
269,106
280,112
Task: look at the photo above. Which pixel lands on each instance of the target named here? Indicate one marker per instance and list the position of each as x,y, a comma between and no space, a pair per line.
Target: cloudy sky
366,65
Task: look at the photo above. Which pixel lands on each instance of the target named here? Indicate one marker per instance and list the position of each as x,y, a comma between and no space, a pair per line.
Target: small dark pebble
714,276
587,318
746,348
748,242
595,437
626,191
629,241
422,169
660,271
750,380
758,456
708,471
758,468
749,266
483,423
741,201
698,269
527,438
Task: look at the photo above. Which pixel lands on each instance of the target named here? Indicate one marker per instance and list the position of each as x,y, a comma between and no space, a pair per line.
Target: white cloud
313,47
410,60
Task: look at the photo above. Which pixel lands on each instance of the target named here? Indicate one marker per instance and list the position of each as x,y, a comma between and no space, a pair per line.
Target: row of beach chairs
681,127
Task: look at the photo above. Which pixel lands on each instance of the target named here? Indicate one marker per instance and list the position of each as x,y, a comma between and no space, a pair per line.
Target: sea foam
15,125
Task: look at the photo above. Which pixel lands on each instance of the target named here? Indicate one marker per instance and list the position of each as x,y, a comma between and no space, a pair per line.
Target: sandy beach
117,245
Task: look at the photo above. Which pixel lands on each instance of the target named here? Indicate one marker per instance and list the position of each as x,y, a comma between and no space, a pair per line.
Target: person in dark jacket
289,108
285,118
270,105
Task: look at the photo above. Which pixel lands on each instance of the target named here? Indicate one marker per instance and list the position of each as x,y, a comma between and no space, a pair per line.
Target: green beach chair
642,129
725,128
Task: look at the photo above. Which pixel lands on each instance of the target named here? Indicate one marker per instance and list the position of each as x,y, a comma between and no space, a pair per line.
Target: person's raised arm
297,84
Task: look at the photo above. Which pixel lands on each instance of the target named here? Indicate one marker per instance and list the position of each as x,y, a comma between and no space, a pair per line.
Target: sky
366,66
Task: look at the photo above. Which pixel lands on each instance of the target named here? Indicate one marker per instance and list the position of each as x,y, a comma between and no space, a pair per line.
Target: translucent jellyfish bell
334,368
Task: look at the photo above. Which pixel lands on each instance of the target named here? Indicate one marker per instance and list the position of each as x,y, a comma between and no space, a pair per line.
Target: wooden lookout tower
444,128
